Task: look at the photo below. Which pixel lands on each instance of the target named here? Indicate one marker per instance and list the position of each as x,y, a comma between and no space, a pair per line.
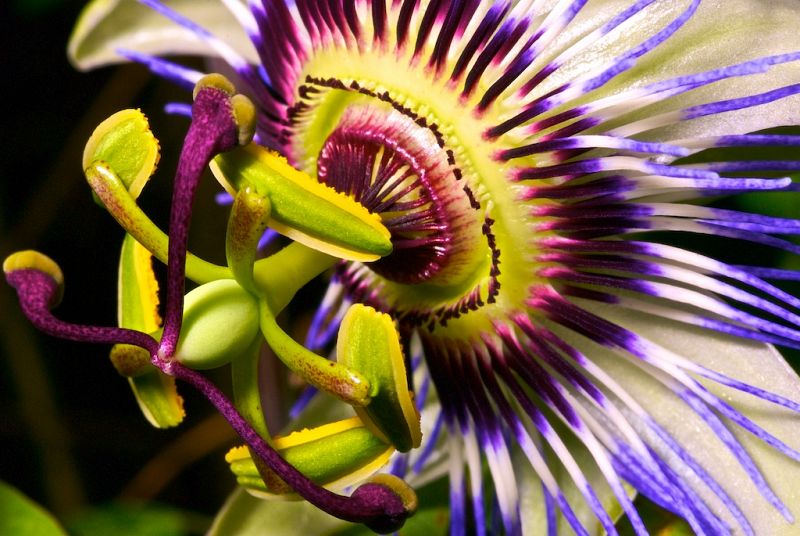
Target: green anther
369,343
220,322
334,455
126,144
246,224
158,398
137,309
329,376
122,206
304,209
130,361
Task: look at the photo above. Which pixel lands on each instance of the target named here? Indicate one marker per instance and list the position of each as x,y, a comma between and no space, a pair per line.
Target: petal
107,25
755,363
532,510
719,34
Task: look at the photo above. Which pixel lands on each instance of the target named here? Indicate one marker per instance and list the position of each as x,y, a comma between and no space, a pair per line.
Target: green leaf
20,516
107,25
136,520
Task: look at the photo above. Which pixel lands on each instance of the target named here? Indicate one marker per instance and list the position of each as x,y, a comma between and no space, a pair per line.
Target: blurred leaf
245,515
132,520
21,516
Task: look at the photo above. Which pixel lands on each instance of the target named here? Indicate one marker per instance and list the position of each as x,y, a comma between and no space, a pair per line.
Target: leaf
20,516
134,520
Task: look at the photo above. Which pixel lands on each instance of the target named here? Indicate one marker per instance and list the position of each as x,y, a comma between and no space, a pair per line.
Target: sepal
105,26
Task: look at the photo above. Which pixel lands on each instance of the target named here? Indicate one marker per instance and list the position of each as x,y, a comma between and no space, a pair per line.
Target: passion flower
517,152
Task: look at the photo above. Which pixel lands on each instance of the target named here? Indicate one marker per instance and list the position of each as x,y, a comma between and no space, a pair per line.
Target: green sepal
302,208
334,455
220,322
369,343
155,392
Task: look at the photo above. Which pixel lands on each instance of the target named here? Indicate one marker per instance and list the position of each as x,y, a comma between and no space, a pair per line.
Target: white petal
532,510
751,362
721,33
106,25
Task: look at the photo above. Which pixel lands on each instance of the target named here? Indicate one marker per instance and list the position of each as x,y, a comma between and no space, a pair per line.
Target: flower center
425,167
396,168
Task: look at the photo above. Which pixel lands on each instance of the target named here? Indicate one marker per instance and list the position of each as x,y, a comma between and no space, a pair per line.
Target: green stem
281,275
246,392
122,206
329,376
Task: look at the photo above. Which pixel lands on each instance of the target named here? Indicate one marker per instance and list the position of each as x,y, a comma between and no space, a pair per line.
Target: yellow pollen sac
302,208
335,455
137,309
368,343
124,141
